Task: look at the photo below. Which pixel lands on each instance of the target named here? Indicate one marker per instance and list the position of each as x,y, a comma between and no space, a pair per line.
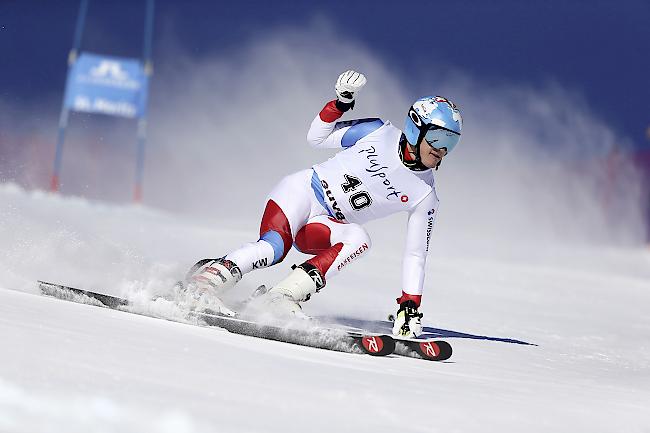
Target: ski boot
206,282
284,298
408,321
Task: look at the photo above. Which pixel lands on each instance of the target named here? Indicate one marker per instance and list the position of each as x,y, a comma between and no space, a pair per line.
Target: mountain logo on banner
110,73
109,69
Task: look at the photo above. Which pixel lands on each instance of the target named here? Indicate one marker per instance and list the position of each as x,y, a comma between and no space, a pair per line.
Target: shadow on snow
429,332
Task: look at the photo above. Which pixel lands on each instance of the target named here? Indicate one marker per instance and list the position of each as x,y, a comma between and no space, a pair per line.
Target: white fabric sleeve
322,134
418,233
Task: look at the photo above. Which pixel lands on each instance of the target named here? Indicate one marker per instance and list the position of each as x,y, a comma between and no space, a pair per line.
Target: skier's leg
288,208
334,245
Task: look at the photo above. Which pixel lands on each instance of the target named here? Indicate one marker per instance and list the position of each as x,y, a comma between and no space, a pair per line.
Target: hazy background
554,99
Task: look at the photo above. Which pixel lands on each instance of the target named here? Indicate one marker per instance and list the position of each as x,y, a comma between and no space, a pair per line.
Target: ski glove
348,84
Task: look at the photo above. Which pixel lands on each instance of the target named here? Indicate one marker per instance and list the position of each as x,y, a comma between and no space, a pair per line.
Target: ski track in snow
80,368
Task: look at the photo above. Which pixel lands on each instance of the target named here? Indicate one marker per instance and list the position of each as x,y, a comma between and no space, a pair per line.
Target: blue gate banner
108,85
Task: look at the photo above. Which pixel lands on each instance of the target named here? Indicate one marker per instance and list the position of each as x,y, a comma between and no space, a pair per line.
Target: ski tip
69,293
434,350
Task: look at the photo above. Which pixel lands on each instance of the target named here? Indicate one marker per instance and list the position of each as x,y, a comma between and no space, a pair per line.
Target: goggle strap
433,127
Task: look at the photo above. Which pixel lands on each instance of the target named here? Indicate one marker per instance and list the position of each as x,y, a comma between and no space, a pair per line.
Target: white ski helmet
437,120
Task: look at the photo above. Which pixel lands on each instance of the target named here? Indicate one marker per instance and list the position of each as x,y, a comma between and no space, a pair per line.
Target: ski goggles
439,137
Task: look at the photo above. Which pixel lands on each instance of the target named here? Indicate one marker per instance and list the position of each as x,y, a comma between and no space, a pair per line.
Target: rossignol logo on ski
430,349
373,344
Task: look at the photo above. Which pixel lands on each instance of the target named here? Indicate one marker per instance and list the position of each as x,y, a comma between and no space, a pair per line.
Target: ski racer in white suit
379,171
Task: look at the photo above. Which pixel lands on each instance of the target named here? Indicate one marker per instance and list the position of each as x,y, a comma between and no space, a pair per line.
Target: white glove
348,84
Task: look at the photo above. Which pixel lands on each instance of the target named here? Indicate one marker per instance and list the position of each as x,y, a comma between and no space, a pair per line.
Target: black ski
320,337
74,294
426,348
422,347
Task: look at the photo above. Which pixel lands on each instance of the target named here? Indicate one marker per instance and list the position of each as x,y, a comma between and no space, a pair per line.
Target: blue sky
598,49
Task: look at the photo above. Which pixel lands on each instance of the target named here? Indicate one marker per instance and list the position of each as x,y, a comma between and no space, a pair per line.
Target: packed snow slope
69,367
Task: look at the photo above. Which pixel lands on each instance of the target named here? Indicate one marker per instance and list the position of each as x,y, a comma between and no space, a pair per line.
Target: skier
379,171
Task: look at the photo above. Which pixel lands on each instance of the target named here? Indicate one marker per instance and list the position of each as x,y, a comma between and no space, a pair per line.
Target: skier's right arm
324,131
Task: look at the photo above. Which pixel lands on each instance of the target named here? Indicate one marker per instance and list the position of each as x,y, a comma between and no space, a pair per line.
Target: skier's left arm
419,229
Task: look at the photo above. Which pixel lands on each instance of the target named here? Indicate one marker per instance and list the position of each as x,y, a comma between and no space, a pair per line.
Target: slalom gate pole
142,122
65,112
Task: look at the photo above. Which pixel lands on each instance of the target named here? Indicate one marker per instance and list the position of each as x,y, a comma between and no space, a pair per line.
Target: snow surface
69,367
